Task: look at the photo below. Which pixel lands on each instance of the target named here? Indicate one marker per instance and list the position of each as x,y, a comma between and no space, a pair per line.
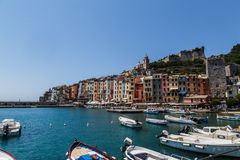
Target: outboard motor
185,129
127,142
163,134
5,130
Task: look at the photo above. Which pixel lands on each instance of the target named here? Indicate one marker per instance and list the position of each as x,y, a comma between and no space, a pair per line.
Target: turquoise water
39,141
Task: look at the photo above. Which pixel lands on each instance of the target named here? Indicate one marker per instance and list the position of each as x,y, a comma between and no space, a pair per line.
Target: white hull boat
4,155
10,127
156,121
151,111
140,153
183,120
229,118
202,144
216,132
130,122
179,111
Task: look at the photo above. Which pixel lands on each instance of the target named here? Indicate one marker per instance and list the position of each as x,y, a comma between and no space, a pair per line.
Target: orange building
138,90
73,91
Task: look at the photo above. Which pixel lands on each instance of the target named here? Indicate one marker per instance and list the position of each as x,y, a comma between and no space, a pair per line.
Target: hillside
196,66
233,56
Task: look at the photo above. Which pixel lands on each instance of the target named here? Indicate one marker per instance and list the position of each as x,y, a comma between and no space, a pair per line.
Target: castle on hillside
186,55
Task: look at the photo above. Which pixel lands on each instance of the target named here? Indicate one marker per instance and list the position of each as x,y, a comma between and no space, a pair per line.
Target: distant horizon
48,43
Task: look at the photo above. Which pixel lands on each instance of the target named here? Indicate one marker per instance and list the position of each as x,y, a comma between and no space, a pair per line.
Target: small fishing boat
10,127
83,151
4,155
202,144
182,119
229,118
130,122
151,111
133,152
156,121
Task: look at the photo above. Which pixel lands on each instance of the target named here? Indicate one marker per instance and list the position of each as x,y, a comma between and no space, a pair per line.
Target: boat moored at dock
83,151
202,144
151,111
156,121
130,122
133,152
10,127
229,118
4,155
181,119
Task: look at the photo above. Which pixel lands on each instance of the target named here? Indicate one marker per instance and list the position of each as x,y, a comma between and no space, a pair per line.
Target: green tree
232,102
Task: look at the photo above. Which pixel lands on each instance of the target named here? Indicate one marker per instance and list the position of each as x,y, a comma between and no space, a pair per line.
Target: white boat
229,118
10,127
130,122
202,144
179,111
4,155
151,111
183,120
156,121
133,152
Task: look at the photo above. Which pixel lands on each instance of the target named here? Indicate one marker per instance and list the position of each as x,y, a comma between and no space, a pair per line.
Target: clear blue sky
50,42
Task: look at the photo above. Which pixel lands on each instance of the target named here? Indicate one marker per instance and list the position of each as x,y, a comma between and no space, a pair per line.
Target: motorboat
130,122
151,111
83,151
4,155
10,127
182,119
199,120
133,152
179,111
156,121
236,130
229,118
202,144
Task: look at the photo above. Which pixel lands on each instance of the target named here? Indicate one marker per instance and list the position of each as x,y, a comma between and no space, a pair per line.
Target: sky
52,42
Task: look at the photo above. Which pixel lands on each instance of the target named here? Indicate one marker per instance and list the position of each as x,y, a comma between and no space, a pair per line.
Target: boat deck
81,151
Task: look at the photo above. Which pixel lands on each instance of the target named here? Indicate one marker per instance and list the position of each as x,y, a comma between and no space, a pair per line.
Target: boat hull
206,149
178,120
156,121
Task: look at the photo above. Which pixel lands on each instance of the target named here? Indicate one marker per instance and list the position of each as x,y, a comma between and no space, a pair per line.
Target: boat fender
198,146
186,144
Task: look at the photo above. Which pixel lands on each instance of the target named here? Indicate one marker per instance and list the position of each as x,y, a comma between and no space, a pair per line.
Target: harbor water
47,133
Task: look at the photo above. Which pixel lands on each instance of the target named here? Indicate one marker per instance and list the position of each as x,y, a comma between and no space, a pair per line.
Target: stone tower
215,69
146,62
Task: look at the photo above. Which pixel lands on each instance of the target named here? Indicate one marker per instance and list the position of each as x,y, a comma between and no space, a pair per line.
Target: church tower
146,62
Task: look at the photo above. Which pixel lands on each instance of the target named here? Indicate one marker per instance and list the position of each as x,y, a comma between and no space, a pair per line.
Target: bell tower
146,62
